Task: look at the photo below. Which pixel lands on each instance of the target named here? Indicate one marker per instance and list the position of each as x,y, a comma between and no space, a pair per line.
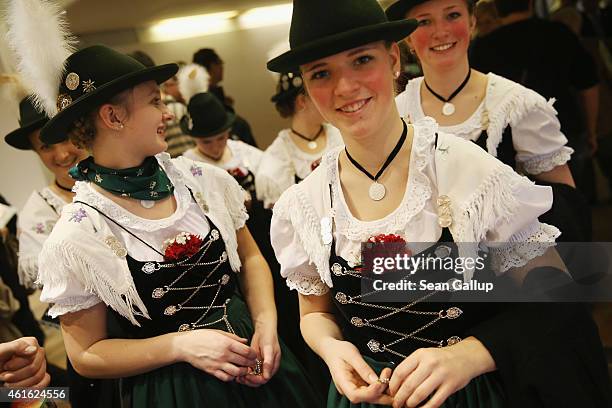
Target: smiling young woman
397,181
511,122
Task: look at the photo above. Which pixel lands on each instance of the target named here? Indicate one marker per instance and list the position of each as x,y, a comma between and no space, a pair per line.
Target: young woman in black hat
408,183
511,122
296,151
43,208
143,267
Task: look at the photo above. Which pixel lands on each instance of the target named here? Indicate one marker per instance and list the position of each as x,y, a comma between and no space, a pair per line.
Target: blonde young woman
420,185
511,122
143,267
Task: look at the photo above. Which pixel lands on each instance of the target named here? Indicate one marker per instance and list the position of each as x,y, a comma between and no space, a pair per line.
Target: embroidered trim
540,164
307,284
73,304
28,270
524,247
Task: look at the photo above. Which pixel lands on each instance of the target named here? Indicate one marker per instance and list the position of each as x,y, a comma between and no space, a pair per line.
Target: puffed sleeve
295,265
537,138
62,273
274,176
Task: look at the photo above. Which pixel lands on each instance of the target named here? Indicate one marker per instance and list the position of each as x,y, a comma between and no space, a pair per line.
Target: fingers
27,377
269,361
222,375
401,372
439,397
410,384
233,370
364,370
234,337
424,390
239,360
25,346
22,374
243,350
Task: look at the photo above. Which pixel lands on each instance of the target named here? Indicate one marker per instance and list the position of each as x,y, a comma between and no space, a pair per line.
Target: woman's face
353,90
214,146
443,36
59,157
145,121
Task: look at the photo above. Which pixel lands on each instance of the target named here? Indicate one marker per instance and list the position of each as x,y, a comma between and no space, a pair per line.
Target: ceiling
93,16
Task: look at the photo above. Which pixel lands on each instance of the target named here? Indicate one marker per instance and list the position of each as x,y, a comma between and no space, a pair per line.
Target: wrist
479,358
326,348
176,349
265,319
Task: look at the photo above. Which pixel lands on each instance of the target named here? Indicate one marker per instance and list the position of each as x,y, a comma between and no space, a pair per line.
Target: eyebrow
427,14
350,54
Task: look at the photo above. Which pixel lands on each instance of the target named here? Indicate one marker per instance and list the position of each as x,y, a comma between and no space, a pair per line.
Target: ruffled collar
418,190
469,129
87,194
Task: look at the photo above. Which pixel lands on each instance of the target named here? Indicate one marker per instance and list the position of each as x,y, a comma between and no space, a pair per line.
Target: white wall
246,78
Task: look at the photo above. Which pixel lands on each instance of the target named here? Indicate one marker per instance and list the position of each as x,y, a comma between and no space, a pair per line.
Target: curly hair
83,130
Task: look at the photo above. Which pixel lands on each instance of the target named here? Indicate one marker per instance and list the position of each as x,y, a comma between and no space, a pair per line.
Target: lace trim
74,304
417,194
524,248
307,284
540,164
55,201
86,193
28,270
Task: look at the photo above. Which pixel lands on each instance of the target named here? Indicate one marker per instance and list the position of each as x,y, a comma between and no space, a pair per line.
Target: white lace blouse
244,156
84,261
283,160
536,132
489,201
34,224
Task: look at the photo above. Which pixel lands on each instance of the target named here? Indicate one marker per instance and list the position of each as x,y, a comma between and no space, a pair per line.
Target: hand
438,372
23,364
265,343
223,355
353,377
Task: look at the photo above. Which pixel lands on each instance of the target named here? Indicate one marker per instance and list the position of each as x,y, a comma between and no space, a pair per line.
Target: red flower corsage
382,238
237,172
183,246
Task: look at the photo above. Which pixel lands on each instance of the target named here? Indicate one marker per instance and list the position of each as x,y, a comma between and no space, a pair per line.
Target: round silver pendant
149,268
312,145
377,191
147,203
448,109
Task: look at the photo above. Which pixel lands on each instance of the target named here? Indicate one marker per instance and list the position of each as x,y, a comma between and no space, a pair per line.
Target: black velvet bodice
391,331
185,295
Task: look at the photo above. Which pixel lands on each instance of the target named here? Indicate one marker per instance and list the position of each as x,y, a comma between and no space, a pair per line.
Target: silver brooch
453,340
115,246
72,81
336,269
149,268
63,101
342,298
374,346
445,218
88,86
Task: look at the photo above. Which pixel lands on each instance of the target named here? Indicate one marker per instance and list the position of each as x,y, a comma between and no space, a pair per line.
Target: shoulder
37,214
245,148
512,100
406,100
277,147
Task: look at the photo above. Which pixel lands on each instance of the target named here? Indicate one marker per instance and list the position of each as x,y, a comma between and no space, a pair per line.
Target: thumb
363,369
19,347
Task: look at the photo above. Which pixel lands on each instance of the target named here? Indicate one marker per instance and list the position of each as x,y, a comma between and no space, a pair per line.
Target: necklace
377,191
62,187
312,144
448,108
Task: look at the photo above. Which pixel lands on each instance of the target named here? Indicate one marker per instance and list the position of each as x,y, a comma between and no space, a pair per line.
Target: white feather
192,79
39,36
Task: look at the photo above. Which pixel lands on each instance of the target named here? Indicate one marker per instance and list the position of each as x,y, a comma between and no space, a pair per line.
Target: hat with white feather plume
84,80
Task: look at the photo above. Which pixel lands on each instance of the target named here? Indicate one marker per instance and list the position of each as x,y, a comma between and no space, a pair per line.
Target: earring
412,51
121,126
396,74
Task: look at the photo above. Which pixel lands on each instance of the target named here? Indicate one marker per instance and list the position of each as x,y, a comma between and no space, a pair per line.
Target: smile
354,106
443,47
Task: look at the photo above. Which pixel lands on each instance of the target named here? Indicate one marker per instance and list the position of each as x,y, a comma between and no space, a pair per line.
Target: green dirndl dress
484,391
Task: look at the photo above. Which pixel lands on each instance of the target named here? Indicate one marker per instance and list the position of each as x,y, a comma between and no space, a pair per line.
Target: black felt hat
289,86
92,76
398,10
30,120
206,116
320,28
